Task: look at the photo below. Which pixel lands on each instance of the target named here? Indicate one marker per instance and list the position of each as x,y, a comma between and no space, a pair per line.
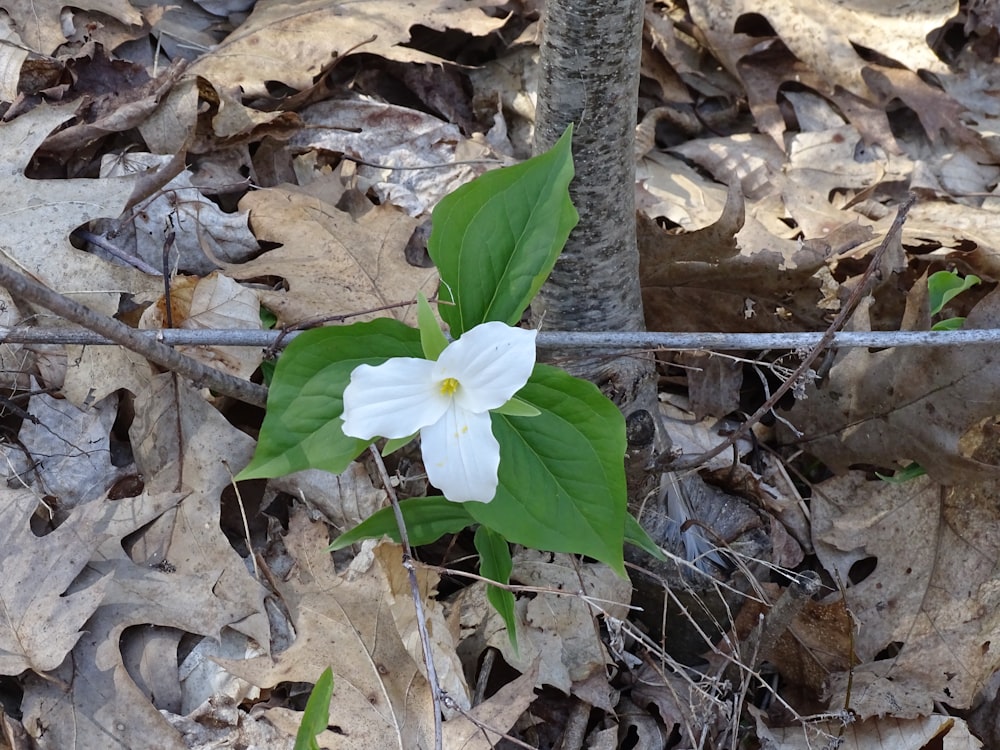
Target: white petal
393,399
461,456
491,362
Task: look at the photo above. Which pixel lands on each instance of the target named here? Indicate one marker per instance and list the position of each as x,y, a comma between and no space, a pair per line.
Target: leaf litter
148,603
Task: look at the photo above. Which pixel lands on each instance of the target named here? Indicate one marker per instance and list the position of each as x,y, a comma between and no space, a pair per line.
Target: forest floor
226,164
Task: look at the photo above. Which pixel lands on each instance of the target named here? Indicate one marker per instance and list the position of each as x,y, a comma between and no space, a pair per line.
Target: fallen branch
117,332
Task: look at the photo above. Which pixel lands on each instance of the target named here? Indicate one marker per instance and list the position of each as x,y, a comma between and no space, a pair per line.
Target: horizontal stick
597,340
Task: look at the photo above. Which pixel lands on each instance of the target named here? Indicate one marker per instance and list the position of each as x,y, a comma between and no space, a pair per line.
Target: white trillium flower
448,401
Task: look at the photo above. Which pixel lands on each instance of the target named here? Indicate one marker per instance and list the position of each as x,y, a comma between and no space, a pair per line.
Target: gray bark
590,77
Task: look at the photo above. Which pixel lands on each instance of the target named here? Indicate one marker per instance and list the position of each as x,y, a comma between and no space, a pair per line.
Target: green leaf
427,519
302,426
432,339
316,717
949,324
267,371
944,286
394,444
495,240
912,471
517,408
636,535
268,319
562,475
496,564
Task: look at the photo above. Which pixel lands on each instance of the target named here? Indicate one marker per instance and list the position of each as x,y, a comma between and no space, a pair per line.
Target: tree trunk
590,77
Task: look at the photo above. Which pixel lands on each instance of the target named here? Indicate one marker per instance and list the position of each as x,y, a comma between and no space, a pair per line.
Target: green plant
942,287
316,717
529,454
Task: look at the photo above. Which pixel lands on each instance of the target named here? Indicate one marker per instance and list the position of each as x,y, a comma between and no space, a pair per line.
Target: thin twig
156,352
860,290
111,248
425,639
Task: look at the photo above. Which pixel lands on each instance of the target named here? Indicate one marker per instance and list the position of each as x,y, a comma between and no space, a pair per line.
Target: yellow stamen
449,386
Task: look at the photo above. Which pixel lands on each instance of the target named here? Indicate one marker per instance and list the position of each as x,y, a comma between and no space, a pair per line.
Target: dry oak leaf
556,631
104,707
895,406
332,264
41,622
291,41
402,140
824,33
733,275
204,236
947,732
66,451
40,214
928,614
183,443
380,698
39,23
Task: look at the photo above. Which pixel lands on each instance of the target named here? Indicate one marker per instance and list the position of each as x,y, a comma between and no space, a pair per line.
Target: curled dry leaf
213,302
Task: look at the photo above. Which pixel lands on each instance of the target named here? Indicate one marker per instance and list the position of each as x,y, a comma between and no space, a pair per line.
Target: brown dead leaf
405,141
937,111
834,162
948,732
380,699
40,214
115,96
731,276
480,727
205,237
344,499
65,455
213,302
93,373
823,33
679,701
183,444
221,722
291,42
927,614
891,407
556,632
666,186
40,26
12,57
92,701
819,641
449,669
331,264
752,159
41,622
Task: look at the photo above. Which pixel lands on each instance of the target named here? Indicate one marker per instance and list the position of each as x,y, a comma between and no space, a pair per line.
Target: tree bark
590,58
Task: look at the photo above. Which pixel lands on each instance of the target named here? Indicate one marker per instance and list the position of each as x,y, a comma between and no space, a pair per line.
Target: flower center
449,386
